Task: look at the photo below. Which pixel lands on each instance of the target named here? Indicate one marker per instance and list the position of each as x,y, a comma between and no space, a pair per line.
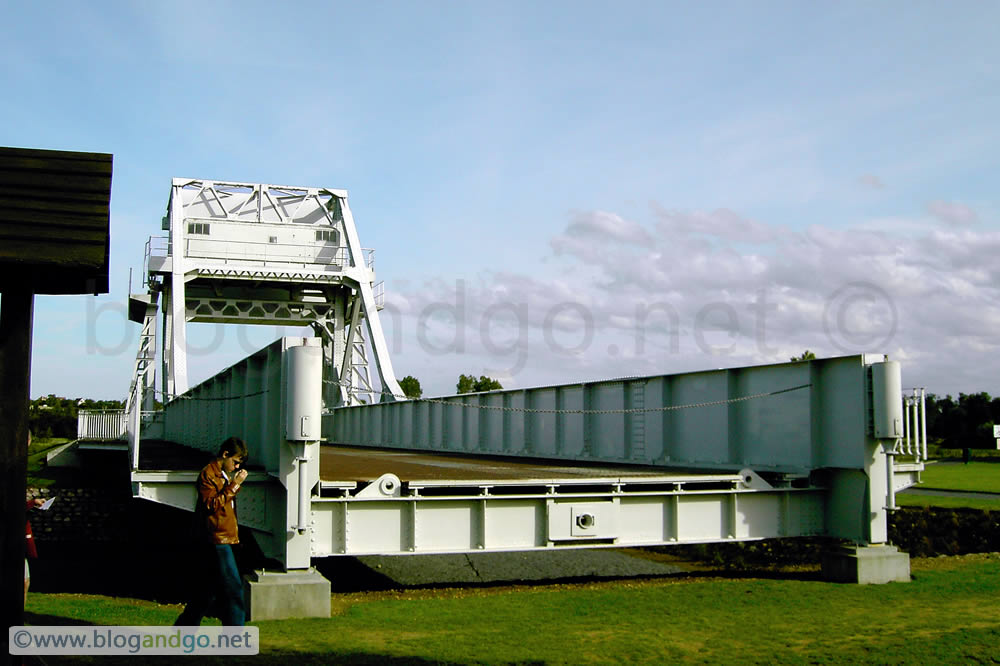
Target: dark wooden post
54,239
15,369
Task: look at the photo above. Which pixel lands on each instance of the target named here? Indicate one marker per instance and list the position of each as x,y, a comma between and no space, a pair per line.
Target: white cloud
598,226
691,296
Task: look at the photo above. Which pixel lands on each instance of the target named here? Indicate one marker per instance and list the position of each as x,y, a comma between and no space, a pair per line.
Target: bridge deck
351,464
340,463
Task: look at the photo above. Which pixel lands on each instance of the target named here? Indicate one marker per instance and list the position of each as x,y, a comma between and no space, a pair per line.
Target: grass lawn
946,615
975,477
38,474
904,499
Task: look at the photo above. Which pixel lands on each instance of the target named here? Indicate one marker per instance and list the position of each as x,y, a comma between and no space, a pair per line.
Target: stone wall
94,515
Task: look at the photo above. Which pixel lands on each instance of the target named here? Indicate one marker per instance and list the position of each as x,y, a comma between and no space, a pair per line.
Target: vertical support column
923,424
167,339
529,417
149,383
627,419
734,411
299,591
376,337
505,435
347,382
16,315
878,562
560,434
666,420
299,459
177,381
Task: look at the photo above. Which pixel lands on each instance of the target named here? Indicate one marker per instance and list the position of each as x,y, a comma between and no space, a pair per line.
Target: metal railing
105,424
256,251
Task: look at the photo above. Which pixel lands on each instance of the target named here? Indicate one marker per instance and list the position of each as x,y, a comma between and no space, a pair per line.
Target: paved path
951,493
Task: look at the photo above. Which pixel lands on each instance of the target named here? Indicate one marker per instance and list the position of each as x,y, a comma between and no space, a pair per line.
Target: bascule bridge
344,466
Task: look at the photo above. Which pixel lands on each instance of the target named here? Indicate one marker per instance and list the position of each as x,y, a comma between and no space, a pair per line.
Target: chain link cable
184,396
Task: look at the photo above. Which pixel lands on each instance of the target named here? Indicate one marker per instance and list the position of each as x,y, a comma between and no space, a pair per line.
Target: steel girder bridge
347,466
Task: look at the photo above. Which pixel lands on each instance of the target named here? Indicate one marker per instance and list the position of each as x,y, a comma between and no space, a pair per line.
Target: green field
946,615
903,499
975,477
39,476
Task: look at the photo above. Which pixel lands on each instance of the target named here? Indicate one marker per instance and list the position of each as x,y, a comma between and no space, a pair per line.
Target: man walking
218,577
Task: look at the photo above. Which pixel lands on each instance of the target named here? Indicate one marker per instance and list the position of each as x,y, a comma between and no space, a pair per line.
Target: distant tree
469,384
55,416
465,383
963,423
411,386
804,356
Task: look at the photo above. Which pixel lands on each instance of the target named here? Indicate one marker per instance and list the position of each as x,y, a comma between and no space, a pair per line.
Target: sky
555,192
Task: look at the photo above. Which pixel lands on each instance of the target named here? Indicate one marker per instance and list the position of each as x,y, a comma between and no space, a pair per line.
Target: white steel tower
249,253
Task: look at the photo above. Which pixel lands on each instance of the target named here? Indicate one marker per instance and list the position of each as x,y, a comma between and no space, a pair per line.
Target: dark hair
233,446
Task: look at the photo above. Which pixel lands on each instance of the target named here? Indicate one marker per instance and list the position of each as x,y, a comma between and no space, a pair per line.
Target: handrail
214,248
100,424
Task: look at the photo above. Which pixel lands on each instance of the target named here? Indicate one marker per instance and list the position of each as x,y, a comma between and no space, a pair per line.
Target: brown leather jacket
216,508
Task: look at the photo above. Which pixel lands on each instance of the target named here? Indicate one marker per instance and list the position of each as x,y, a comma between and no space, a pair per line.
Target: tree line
55,416
466,384
965,422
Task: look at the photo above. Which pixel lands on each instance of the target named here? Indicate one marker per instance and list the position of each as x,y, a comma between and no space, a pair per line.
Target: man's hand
240,476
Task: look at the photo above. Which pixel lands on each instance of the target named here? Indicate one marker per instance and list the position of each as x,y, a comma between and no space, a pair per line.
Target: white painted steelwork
786,417
443,517
790,460
253,253
143,309
104,424
254,400
833,419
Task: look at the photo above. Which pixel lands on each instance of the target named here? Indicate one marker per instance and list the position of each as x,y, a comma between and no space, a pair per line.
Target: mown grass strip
945,616
975,477
904,499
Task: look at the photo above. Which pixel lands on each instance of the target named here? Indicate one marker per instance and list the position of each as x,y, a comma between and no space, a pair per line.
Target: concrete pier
279,595
867,565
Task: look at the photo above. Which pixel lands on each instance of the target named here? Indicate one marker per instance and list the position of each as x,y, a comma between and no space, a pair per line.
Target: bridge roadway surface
343,463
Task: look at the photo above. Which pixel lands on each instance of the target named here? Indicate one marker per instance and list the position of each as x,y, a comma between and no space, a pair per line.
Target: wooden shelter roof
54,221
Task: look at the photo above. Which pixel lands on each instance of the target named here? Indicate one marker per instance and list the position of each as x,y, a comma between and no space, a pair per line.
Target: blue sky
564,167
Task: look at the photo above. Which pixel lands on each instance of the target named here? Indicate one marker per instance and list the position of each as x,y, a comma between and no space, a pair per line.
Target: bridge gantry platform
814,448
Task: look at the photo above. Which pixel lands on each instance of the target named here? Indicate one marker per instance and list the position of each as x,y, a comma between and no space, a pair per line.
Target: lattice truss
245,202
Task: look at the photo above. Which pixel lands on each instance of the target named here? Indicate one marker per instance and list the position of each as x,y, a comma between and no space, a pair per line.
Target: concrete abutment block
867,565
282,595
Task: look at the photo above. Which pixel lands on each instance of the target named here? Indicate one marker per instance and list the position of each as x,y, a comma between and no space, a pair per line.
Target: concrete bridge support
867,565
281,595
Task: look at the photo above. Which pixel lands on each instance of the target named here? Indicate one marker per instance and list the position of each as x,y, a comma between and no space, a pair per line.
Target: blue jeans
219,582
